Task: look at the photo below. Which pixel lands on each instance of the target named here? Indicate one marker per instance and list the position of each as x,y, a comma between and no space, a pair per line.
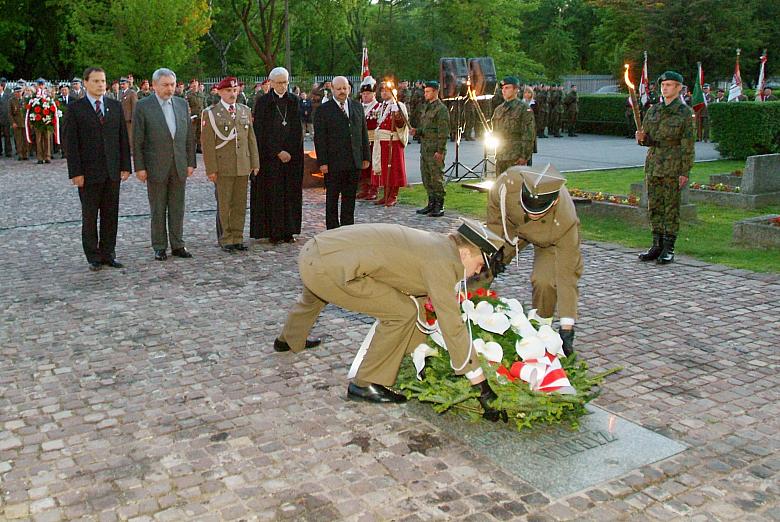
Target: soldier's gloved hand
486,396
567,336
497,264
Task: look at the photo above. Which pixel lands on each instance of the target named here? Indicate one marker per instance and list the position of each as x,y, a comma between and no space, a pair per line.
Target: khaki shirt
229,144
414,262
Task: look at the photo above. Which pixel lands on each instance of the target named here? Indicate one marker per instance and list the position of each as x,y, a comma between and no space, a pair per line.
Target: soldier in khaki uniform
16,113
128,98
668,131
514,127
433,124
196,100
530,206
42,136
381,270
230,154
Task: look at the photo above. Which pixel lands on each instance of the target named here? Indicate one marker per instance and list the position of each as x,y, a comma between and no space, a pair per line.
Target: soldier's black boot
667,250
438,208
567,336
654,251
426,209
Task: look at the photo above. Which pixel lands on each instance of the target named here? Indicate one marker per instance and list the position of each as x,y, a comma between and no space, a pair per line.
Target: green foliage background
533,39
746,129
602,114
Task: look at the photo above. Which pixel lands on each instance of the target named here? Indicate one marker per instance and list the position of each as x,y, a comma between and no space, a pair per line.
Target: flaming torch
389,85
634,100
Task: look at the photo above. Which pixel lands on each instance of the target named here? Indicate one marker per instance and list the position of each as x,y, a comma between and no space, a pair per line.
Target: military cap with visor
479,235
541,188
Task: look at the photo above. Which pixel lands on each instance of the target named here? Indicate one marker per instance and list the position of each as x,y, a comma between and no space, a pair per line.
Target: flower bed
521,356
631,200
717,187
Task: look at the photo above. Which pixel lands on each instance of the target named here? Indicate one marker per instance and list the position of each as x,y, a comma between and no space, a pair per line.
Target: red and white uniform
391,137
372,110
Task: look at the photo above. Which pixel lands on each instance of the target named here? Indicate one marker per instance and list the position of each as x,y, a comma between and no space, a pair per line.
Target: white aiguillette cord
502,205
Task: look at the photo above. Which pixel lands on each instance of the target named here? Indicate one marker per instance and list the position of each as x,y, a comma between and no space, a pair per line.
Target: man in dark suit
98,158
341,142
164,155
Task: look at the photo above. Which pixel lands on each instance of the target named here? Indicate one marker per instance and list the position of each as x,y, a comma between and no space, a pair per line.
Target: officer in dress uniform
368,183
384,270
230,154
532,206
17,113
669,133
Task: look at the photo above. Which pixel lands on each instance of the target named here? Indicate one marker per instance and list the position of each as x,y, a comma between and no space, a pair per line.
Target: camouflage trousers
554,125
541,122
663,204
432,174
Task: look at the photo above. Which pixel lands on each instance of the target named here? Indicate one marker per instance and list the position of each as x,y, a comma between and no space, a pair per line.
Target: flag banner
698,101
761,83
735,89
644,85
365,71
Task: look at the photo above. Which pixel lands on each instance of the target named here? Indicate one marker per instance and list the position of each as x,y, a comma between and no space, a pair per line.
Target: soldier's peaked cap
670,76
541,188
480,236
76,80
3,80
123,80
227,83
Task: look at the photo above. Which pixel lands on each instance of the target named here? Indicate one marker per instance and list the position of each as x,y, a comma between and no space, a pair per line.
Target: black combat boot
426,209
667,250
567,336
654,251
438,208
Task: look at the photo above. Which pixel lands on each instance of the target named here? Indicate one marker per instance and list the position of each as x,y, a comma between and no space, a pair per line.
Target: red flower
37,109
430,321
45,111
469,295
428,305
481,292
37,117
492,293
503,371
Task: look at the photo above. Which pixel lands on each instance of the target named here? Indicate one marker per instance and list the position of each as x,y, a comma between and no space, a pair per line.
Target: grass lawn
709,239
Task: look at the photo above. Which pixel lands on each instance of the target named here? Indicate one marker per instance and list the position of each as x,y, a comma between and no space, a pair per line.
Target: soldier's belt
385,135
371,133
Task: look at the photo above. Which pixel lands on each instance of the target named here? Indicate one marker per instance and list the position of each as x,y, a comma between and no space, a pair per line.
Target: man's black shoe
289,239
181,252
47,161
113,263
281,346
40,162
240,246
160,255
373,393
94,266
229,248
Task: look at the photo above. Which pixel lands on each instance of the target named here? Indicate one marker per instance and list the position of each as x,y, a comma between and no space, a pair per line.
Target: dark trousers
166,202
5,139
342,184
99,200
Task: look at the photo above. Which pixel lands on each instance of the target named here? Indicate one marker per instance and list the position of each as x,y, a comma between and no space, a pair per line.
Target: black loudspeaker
483,75
453,73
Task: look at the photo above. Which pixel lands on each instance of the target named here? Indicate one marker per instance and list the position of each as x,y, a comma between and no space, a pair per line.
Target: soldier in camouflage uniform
542,110
571,109
514,126
145,90
555,104
668,130
416,102
197,102
433,129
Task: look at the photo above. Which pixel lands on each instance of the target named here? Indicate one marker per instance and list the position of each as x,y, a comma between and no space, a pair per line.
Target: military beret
541,188
510,80
670,76
265,82
227,83
433,84
480,236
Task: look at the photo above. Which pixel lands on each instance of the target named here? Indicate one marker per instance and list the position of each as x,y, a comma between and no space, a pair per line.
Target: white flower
530,347
438,338
492,351
419,354
486,317
532,315
551,339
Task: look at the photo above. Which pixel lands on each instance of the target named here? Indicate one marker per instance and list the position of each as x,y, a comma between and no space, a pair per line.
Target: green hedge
602,114
746,128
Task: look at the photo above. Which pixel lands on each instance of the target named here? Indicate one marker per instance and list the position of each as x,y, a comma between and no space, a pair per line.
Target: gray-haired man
164,155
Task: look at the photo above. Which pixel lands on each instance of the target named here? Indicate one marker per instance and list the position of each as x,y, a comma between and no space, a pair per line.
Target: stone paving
152,393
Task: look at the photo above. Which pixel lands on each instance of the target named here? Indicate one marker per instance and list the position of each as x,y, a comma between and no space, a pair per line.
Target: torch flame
627,79
389,85
395,92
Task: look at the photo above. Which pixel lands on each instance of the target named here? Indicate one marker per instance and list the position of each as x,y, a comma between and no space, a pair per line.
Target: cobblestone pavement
153,393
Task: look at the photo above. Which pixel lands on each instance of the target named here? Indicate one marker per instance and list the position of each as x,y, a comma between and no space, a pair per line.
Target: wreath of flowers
521,356
43,114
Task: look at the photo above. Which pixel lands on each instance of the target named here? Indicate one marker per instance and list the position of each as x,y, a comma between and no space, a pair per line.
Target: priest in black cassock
276,195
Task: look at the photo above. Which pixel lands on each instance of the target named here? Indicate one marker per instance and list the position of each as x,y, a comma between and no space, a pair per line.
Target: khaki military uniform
433,129
16,113
129,99
515,127
196,101
374,269
670,136
229,149
556,238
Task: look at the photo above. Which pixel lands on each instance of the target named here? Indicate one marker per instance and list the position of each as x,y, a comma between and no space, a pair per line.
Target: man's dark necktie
99,112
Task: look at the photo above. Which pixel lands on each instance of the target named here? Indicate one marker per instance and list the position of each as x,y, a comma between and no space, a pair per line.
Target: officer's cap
123,79
433,84
541,188
705,86
510,80
63,84
3,80
40,81
75,80
480,236
670,76
227,83
368,84
721,90
18,88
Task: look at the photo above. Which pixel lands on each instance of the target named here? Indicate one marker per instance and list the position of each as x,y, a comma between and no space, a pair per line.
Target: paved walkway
153,393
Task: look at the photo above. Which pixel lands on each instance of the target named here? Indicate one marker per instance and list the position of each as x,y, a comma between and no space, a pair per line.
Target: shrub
746,128
603,114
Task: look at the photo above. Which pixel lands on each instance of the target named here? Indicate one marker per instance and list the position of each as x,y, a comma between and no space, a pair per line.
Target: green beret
670,76
510,80
433,84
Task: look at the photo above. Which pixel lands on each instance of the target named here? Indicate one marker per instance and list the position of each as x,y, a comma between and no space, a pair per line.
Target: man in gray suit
164,155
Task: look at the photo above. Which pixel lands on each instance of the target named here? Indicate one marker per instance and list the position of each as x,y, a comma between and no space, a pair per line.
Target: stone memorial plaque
556,460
